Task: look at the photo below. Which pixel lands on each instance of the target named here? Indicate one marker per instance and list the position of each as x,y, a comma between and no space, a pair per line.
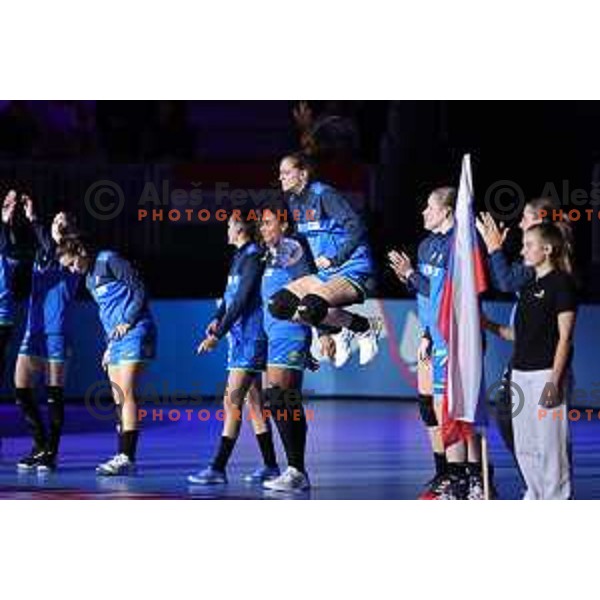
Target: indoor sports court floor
367,449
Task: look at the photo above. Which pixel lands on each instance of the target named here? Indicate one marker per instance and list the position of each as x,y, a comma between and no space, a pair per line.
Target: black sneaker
47,463
31,461
456,488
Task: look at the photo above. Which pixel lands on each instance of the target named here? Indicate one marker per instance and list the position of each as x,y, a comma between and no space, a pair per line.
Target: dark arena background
148,179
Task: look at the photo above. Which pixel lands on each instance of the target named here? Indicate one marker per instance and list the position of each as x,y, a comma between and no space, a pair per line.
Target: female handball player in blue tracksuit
44,345
130,331
240,317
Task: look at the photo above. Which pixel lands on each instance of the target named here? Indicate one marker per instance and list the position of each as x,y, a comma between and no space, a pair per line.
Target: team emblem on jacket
294,356
288,253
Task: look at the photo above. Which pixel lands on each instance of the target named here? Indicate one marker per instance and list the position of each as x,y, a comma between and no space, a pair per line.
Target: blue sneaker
208,476
262,474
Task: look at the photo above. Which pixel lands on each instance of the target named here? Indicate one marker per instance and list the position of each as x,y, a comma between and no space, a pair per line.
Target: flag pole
485,468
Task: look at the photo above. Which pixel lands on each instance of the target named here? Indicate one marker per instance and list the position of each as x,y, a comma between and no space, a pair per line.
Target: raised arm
505,277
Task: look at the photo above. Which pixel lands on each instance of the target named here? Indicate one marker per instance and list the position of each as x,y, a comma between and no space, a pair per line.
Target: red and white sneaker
434,487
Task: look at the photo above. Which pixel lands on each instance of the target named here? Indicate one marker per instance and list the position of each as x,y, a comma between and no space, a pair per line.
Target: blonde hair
563,226
446,196
560,256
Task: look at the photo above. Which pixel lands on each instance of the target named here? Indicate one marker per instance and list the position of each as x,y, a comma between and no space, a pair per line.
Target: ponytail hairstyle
446,196
560,256
563,225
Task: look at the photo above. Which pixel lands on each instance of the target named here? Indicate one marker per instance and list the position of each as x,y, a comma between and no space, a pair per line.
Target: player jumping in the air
43,350
240,317
130,331
345,272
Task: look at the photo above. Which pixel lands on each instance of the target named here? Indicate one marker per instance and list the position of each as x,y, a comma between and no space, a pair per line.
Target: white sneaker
475,488
117,465
343,350
368,342
292,480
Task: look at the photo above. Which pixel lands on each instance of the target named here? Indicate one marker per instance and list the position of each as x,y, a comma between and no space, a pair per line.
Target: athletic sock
118,419
265,443
56,416
457,470
26,400
474,468
223,453
291,423
441,463
128,443
298,431
359,324
282,418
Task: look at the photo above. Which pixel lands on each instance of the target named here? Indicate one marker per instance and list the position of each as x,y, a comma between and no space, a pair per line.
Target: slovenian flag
460,319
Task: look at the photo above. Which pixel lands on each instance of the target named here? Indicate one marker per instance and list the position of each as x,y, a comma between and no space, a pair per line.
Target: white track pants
541,439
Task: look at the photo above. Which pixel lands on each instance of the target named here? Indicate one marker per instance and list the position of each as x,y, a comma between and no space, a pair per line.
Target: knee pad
272,397
427,411
283,305
291,398
278,397
313,309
